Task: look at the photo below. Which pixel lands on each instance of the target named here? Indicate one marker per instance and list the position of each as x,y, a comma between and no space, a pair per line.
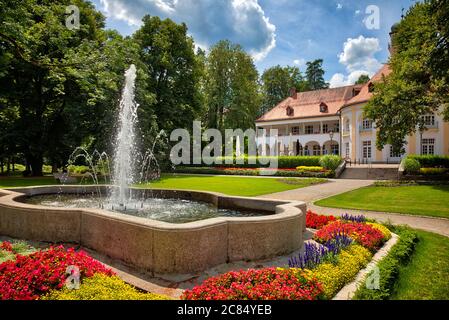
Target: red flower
362,233
263,284
28,277
6,246
316,221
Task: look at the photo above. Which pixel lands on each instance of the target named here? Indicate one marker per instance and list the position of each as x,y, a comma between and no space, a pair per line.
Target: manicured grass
12,182
417,200
426,277
235,186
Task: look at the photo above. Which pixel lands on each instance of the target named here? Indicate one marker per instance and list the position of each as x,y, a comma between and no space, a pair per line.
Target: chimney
293,93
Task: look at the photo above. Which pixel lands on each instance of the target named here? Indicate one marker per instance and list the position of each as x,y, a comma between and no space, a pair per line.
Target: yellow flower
381,228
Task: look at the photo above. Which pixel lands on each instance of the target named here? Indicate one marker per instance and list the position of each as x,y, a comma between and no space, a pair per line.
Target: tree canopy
418,84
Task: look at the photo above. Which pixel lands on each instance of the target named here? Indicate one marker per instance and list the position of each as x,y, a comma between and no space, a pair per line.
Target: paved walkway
320,191
334,187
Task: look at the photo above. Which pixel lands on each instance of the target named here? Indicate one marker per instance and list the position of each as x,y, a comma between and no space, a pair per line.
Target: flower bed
346,245
264,284
44,274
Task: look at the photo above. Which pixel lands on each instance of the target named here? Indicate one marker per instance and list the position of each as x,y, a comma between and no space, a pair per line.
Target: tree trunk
36,163
54,168
8,166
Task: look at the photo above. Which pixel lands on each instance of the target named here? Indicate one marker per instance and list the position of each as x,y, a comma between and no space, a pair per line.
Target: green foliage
284,162
330,162
315,75
364,78
389,267
231,87
431,161
414,88
411,165
276,85
78,169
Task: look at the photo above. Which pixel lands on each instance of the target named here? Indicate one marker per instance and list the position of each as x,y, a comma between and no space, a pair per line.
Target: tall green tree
276,85
315,75
416,85
364,78
173,72
232,92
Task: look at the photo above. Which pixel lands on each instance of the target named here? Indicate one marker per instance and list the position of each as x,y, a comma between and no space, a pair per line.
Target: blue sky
284,32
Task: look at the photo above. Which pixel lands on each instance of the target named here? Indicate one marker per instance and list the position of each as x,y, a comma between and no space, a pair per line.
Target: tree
276,85
232,92
315,75
415,87
173,72
364,78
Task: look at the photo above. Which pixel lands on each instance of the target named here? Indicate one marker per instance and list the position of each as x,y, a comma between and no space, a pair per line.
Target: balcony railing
364,128
433,125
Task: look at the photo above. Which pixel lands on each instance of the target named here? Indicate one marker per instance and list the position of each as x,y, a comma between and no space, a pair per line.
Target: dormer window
371,87
290,111
323,108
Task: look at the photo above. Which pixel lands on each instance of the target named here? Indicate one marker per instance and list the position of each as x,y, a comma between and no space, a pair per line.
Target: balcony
365,128
431,125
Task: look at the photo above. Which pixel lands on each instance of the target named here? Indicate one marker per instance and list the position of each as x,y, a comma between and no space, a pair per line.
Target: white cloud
339,6
241,21
357,12
358,57
300,62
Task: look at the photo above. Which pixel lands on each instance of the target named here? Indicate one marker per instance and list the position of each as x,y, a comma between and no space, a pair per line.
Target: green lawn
11,182
235,186
426,277
417,200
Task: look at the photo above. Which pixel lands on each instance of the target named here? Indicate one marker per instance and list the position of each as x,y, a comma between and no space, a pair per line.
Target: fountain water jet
125,152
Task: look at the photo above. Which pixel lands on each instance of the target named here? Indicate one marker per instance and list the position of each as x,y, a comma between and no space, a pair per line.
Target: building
331,121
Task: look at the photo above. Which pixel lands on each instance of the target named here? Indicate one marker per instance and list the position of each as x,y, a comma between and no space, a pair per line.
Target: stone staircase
364,173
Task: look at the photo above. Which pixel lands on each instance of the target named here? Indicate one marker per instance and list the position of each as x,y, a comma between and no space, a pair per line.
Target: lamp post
331,135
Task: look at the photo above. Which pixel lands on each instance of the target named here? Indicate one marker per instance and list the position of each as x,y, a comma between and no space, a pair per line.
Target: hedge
431,161
399,255
284,162
254,172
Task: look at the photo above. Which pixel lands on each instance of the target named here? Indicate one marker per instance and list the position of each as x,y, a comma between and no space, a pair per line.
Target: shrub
102,287
316,221
362,233
330,162
333,277
310,169
263,284
78,169
29,277
433,171
431,160
284,162
389,267
411,165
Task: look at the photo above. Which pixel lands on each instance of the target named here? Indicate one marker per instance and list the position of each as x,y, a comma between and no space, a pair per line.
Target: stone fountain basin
155,246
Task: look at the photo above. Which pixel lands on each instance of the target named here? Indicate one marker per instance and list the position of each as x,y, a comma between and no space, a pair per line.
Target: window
429,120
428,146
295,130
323,107
316,150
366,150
347,125
335,149
309,129
347,150
370,87
367,124
337,127
394,154
306,151
290,111
325,128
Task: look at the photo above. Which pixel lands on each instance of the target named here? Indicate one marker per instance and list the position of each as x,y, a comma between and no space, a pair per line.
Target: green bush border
399,255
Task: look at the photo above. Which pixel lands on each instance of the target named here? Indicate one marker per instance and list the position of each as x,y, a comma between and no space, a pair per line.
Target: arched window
290,112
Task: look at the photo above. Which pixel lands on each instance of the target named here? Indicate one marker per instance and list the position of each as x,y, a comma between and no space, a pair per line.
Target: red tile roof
364,94
307,104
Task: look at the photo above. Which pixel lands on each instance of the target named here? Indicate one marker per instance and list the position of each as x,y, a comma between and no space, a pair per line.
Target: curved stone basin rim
157,246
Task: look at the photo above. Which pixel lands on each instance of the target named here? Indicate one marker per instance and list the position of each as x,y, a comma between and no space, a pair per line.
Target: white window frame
347,150
367,124
367,151
309,127
295,130
428,146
